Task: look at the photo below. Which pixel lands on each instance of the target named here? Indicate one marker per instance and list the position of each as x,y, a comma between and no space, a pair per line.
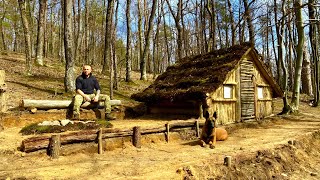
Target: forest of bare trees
149,35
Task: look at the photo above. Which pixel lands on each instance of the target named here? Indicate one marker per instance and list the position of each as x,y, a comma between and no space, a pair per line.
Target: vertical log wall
247,89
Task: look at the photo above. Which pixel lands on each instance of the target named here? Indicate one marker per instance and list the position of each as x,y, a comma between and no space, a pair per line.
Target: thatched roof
194,76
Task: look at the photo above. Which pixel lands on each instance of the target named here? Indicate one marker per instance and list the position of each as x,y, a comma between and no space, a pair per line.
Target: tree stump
3,89
54,146
136,138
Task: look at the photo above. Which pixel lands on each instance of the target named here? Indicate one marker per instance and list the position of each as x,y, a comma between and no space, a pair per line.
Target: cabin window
260,92
227,91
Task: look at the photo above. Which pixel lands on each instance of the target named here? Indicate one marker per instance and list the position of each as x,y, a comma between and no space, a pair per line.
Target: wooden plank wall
264,105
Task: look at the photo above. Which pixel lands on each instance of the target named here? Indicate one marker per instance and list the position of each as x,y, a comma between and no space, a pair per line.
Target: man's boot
109,117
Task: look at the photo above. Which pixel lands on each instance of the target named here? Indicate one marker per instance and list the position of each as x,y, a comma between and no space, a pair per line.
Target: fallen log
42,142
59,104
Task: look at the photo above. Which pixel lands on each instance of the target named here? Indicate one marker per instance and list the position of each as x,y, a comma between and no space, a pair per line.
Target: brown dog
210,133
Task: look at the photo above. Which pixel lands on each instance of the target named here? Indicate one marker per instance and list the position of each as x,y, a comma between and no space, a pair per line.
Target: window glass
260,92
227,91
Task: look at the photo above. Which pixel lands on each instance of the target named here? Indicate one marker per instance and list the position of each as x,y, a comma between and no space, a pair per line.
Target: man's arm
96,98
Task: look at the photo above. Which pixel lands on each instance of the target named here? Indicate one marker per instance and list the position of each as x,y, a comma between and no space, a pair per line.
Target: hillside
259,149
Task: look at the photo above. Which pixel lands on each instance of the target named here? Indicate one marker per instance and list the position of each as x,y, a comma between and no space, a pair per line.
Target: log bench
61,104
34,105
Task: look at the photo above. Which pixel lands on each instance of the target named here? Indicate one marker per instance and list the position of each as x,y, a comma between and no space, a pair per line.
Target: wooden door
247,90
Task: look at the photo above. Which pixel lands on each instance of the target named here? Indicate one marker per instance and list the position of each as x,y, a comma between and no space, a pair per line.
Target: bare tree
4,46
107,43
249,20
40,36
27,36
86,33
314,50
233,26
211,9
306,79
297,77
128,48
69,80
146,49
177,19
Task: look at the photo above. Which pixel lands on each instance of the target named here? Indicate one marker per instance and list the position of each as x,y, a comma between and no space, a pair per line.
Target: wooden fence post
167,131
227,161
3,88
100,149
197,128
200,111
136,138
54,146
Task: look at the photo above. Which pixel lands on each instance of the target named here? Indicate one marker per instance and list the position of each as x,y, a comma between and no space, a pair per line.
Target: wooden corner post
136,138
3,89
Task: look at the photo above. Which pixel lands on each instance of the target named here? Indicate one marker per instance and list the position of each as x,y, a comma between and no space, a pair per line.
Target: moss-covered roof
194,76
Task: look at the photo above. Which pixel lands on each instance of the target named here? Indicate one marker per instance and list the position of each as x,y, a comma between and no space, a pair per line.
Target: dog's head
210,119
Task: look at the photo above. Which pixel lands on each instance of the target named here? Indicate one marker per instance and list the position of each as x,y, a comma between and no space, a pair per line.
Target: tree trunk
86,34
281,57
147,42
212,13
249,21
4,46
69,79
29,12
111,49
297,77
315,51
128,45
140,39
27,36
114,57
306,72
166,37
233,26
177,19
41,30
107,44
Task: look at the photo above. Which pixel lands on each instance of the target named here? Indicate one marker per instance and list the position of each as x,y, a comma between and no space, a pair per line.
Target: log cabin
233,81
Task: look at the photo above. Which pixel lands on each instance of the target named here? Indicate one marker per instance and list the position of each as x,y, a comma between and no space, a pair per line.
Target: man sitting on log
86,83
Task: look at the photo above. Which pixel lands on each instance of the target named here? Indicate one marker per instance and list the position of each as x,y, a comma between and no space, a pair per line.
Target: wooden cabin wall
264,105
227,109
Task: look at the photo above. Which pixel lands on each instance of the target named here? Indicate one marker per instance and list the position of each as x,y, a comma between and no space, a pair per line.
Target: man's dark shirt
87,85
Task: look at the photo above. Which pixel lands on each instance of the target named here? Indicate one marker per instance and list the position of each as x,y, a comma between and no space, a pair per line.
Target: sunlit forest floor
259,149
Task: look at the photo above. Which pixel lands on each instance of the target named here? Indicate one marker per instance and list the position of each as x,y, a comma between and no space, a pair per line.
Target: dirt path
160,160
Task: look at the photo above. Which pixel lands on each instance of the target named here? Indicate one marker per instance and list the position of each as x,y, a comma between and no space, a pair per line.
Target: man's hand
87,98
95,99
